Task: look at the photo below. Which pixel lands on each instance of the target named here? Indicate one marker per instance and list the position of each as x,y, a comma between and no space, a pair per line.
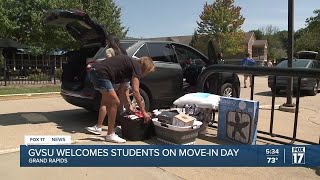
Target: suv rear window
143,51
161,52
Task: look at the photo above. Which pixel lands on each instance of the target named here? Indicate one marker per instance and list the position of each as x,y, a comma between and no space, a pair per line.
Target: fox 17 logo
298,155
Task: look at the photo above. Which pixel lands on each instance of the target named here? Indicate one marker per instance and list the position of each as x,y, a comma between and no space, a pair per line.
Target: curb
6,151
28,95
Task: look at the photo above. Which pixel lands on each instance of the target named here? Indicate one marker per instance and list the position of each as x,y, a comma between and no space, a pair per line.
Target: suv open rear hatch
78,24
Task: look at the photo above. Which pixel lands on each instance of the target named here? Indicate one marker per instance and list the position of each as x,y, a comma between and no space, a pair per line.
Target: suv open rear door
78,24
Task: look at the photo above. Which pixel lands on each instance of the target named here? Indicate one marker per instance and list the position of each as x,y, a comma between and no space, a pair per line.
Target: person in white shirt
269,63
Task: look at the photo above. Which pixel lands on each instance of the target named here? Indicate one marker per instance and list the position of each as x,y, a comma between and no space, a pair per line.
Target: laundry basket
176,135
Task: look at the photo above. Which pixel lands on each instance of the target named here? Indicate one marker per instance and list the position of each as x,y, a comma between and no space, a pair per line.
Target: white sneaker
115,138
94,129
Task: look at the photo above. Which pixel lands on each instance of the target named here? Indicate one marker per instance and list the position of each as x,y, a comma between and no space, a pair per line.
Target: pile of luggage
180,125
174,126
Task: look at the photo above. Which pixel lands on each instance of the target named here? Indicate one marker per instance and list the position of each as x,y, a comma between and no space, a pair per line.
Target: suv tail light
89,63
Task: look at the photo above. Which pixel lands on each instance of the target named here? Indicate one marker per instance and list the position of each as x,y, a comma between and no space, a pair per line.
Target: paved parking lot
53,116
309,113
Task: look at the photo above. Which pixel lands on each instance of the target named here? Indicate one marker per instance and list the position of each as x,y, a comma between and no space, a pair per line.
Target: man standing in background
247,61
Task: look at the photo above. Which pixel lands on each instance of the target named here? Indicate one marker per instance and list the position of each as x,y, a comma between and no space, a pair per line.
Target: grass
5,90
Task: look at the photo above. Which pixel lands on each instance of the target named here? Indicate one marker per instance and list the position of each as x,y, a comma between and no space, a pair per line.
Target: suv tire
145,98
227,90
314,90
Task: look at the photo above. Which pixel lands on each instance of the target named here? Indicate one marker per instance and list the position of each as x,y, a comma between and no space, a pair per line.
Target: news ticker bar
169,156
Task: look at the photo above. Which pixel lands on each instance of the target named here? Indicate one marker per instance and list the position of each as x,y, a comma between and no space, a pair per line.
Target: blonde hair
147,65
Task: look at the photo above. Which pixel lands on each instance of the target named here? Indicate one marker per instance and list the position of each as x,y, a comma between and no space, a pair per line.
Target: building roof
187,39
180,39
248,36
260,43
10,43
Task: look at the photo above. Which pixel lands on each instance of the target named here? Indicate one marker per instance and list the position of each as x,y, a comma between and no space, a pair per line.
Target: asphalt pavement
51,115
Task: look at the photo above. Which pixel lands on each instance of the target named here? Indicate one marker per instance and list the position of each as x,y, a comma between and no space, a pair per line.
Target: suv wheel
314,90
226,90
145,100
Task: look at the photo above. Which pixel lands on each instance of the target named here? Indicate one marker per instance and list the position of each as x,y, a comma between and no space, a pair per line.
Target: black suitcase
136,130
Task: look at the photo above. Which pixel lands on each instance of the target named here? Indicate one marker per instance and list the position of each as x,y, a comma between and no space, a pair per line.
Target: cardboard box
183,120
238,119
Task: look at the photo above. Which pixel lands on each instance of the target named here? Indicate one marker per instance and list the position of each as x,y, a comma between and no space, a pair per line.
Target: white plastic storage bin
196,125
176,135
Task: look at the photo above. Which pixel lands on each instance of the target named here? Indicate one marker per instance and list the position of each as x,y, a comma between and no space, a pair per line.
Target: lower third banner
169,156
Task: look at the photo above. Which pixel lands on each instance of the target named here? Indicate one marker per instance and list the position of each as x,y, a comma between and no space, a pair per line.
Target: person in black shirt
118,69
114,49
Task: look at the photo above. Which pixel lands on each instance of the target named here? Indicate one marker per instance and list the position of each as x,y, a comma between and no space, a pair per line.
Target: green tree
194,39
313,23
107,13
309,41
283,38
221,21
308,37
1,59
275,46
21,20
258,33
200,42
299,33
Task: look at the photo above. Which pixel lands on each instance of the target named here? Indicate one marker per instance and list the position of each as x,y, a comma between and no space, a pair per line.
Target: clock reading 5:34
272,151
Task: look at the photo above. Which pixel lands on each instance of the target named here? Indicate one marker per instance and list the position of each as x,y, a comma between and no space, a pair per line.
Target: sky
162,18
